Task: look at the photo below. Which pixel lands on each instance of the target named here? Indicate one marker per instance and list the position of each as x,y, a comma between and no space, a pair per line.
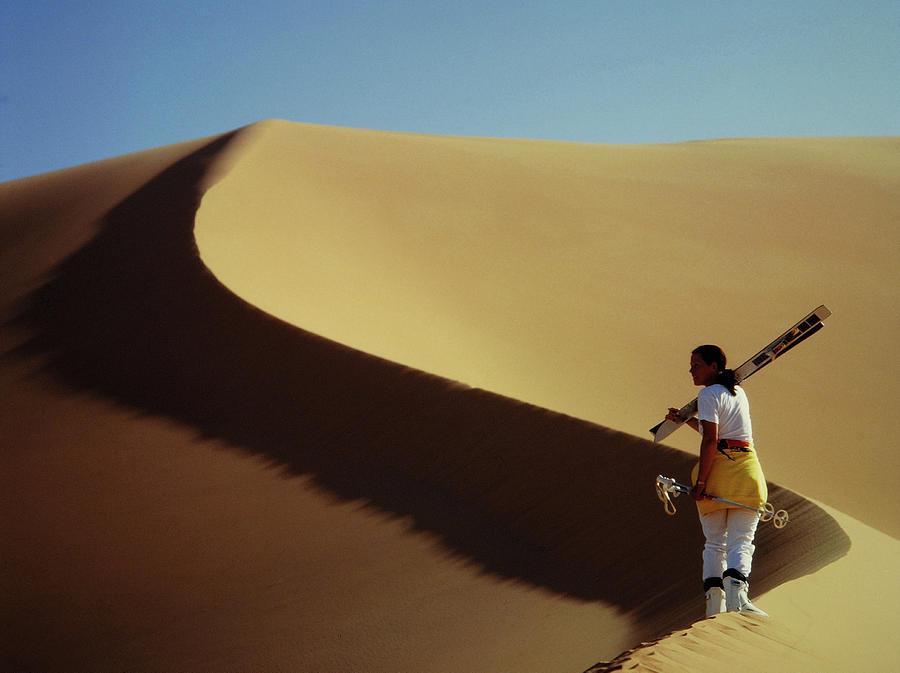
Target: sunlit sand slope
579,277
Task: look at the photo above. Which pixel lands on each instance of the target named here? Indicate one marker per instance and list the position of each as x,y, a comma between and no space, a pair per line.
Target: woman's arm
707,456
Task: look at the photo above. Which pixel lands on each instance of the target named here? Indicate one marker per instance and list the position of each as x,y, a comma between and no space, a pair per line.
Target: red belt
737,443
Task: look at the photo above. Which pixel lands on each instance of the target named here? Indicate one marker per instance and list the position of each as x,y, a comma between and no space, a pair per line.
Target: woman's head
708,366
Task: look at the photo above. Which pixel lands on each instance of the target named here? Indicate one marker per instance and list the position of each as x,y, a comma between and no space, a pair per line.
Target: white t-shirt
730,412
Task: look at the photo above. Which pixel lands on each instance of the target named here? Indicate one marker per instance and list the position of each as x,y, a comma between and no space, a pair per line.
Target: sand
309,398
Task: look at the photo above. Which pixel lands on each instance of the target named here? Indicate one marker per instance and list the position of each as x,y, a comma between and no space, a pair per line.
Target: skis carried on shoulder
795,335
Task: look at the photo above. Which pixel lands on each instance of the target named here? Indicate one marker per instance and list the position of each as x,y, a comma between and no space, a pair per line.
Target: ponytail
727,379
713,354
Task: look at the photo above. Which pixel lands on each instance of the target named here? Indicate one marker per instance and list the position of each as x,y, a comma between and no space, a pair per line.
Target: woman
728,468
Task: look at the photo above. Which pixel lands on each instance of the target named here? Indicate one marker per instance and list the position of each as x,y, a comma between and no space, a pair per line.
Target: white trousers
729,541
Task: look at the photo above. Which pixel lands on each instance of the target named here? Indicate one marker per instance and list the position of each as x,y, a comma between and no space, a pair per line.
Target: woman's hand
673,415
699,491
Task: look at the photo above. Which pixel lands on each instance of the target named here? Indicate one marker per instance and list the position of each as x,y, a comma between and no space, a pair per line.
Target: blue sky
81,81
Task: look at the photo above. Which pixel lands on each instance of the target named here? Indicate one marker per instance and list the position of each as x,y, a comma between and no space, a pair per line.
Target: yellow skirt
735,475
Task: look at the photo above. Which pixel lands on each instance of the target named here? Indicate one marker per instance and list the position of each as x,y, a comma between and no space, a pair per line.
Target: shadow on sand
526,494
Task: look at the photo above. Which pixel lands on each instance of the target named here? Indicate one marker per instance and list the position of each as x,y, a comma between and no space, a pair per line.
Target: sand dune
384,417
572,276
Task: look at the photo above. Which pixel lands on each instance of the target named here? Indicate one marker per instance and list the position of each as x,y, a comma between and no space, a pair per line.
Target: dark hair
713,354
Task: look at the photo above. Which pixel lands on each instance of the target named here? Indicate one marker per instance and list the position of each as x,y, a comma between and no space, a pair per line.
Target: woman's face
702,373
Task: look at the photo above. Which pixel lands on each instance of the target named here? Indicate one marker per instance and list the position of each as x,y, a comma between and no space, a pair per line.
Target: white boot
736,594
715,601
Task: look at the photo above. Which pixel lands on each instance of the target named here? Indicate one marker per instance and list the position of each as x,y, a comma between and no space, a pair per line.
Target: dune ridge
708,646
526,499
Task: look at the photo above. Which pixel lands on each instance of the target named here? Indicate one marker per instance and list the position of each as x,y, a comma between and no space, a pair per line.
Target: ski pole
667,488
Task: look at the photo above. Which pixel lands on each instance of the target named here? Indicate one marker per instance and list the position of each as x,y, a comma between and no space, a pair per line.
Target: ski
797,334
